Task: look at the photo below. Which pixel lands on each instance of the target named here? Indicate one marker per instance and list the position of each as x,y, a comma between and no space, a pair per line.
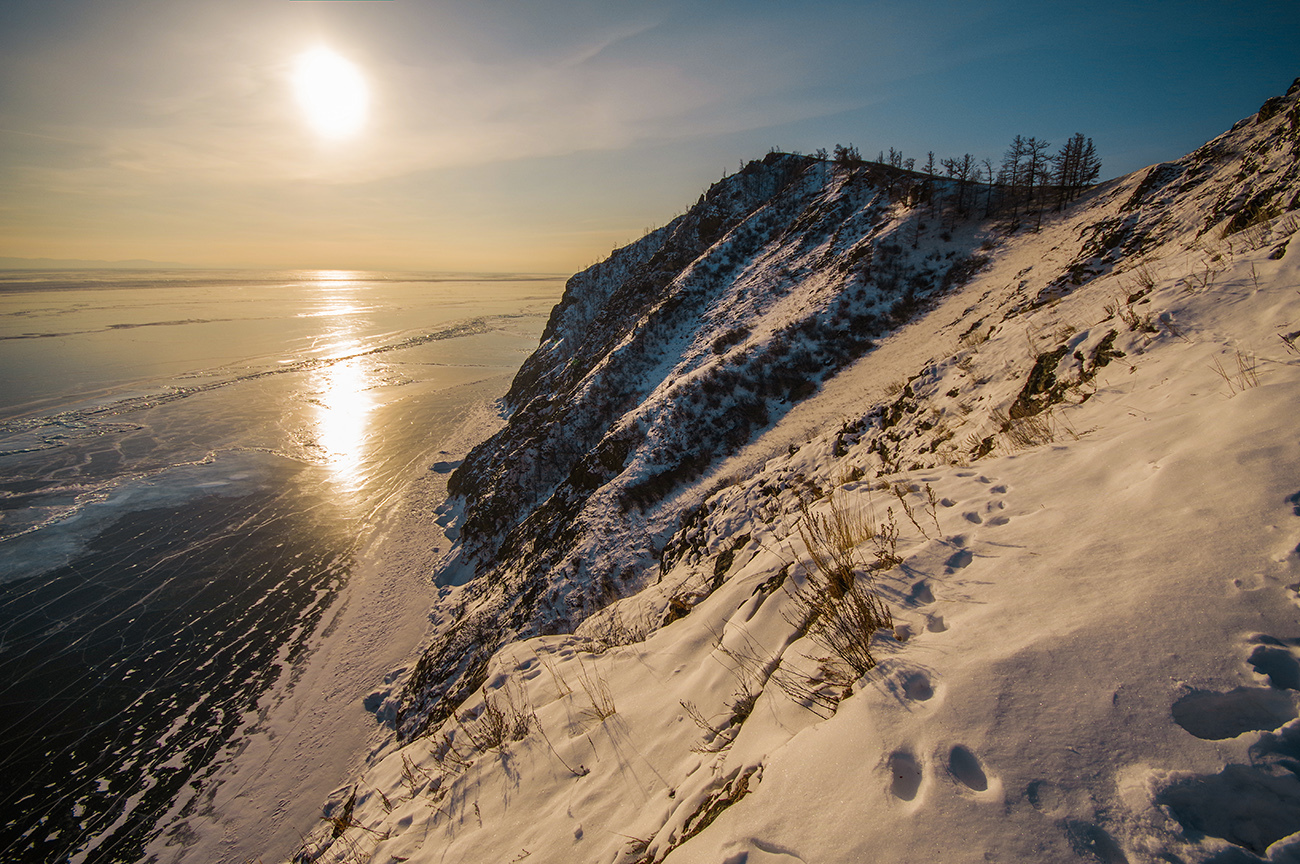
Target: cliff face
684,347
676,351
1062,470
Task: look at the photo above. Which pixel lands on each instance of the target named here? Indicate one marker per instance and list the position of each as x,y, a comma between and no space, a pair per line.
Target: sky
513,136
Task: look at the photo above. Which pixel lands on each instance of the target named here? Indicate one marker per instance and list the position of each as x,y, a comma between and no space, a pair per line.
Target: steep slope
1072,479
676,351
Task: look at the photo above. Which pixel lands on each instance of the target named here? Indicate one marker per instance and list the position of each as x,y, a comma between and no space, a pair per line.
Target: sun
332,93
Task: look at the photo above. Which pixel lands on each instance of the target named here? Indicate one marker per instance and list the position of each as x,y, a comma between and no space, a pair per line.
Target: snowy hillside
937,541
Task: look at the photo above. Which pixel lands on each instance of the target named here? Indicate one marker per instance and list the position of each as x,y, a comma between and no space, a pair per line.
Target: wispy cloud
220,107
136,121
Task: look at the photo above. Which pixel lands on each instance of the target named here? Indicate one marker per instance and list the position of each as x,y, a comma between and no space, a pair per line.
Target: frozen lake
191,466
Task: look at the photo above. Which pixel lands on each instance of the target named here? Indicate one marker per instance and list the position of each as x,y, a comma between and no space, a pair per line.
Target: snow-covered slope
657,363
1066,460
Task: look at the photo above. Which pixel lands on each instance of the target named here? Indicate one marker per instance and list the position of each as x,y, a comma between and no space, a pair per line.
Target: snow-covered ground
1094,588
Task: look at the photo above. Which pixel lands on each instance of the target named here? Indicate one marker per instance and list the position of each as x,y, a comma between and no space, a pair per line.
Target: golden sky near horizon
502,136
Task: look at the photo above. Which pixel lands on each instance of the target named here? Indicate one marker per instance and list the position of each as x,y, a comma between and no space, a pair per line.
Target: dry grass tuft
597,690
839,605
505,718
1021,433
1245,378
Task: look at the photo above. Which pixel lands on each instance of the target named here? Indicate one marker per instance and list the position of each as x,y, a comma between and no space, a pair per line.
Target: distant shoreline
91,264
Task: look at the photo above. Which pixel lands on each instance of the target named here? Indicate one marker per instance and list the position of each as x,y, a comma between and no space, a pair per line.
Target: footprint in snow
1276,662
1216,716
1294,501
920,595
1250,805
912,685
1253,582
959,559
530,668
905,775
972,516
966,769
917,686
935,623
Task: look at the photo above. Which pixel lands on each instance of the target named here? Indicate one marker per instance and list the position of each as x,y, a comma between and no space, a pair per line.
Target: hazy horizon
18,264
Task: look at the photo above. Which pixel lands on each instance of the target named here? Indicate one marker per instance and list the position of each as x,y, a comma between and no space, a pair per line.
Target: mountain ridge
665,456
576,413
590,409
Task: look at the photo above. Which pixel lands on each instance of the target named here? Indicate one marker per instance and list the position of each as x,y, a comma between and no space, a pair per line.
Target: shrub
839,604
1258,210
501,721
727,340
1025,432
1135,322
1143,283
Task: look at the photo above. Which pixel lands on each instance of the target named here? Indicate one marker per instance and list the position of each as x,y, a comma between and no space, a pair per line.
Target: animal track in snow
972,516
965,767
1216,716
905,775
935,623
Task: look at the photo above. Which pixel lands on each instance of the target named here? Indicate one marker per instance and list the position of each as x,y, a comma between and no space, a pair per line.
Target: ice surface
193,471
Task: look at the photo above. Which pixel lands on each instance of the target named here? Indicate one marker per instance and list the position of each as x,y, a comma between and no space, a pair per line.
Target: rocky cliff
890,531
686,346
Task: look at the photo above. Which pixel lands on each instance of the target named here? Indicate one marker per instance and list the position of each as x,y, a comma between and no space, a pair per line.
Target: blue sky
538,135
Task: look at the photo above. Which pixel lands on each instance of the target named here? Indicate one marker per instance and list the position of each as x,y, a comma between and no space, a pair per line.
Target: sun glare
332,93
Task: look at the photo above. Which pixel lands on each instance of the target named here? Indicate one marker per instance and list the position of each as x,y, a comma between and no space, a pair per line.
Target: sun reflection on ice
333,277
343,420
341,383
